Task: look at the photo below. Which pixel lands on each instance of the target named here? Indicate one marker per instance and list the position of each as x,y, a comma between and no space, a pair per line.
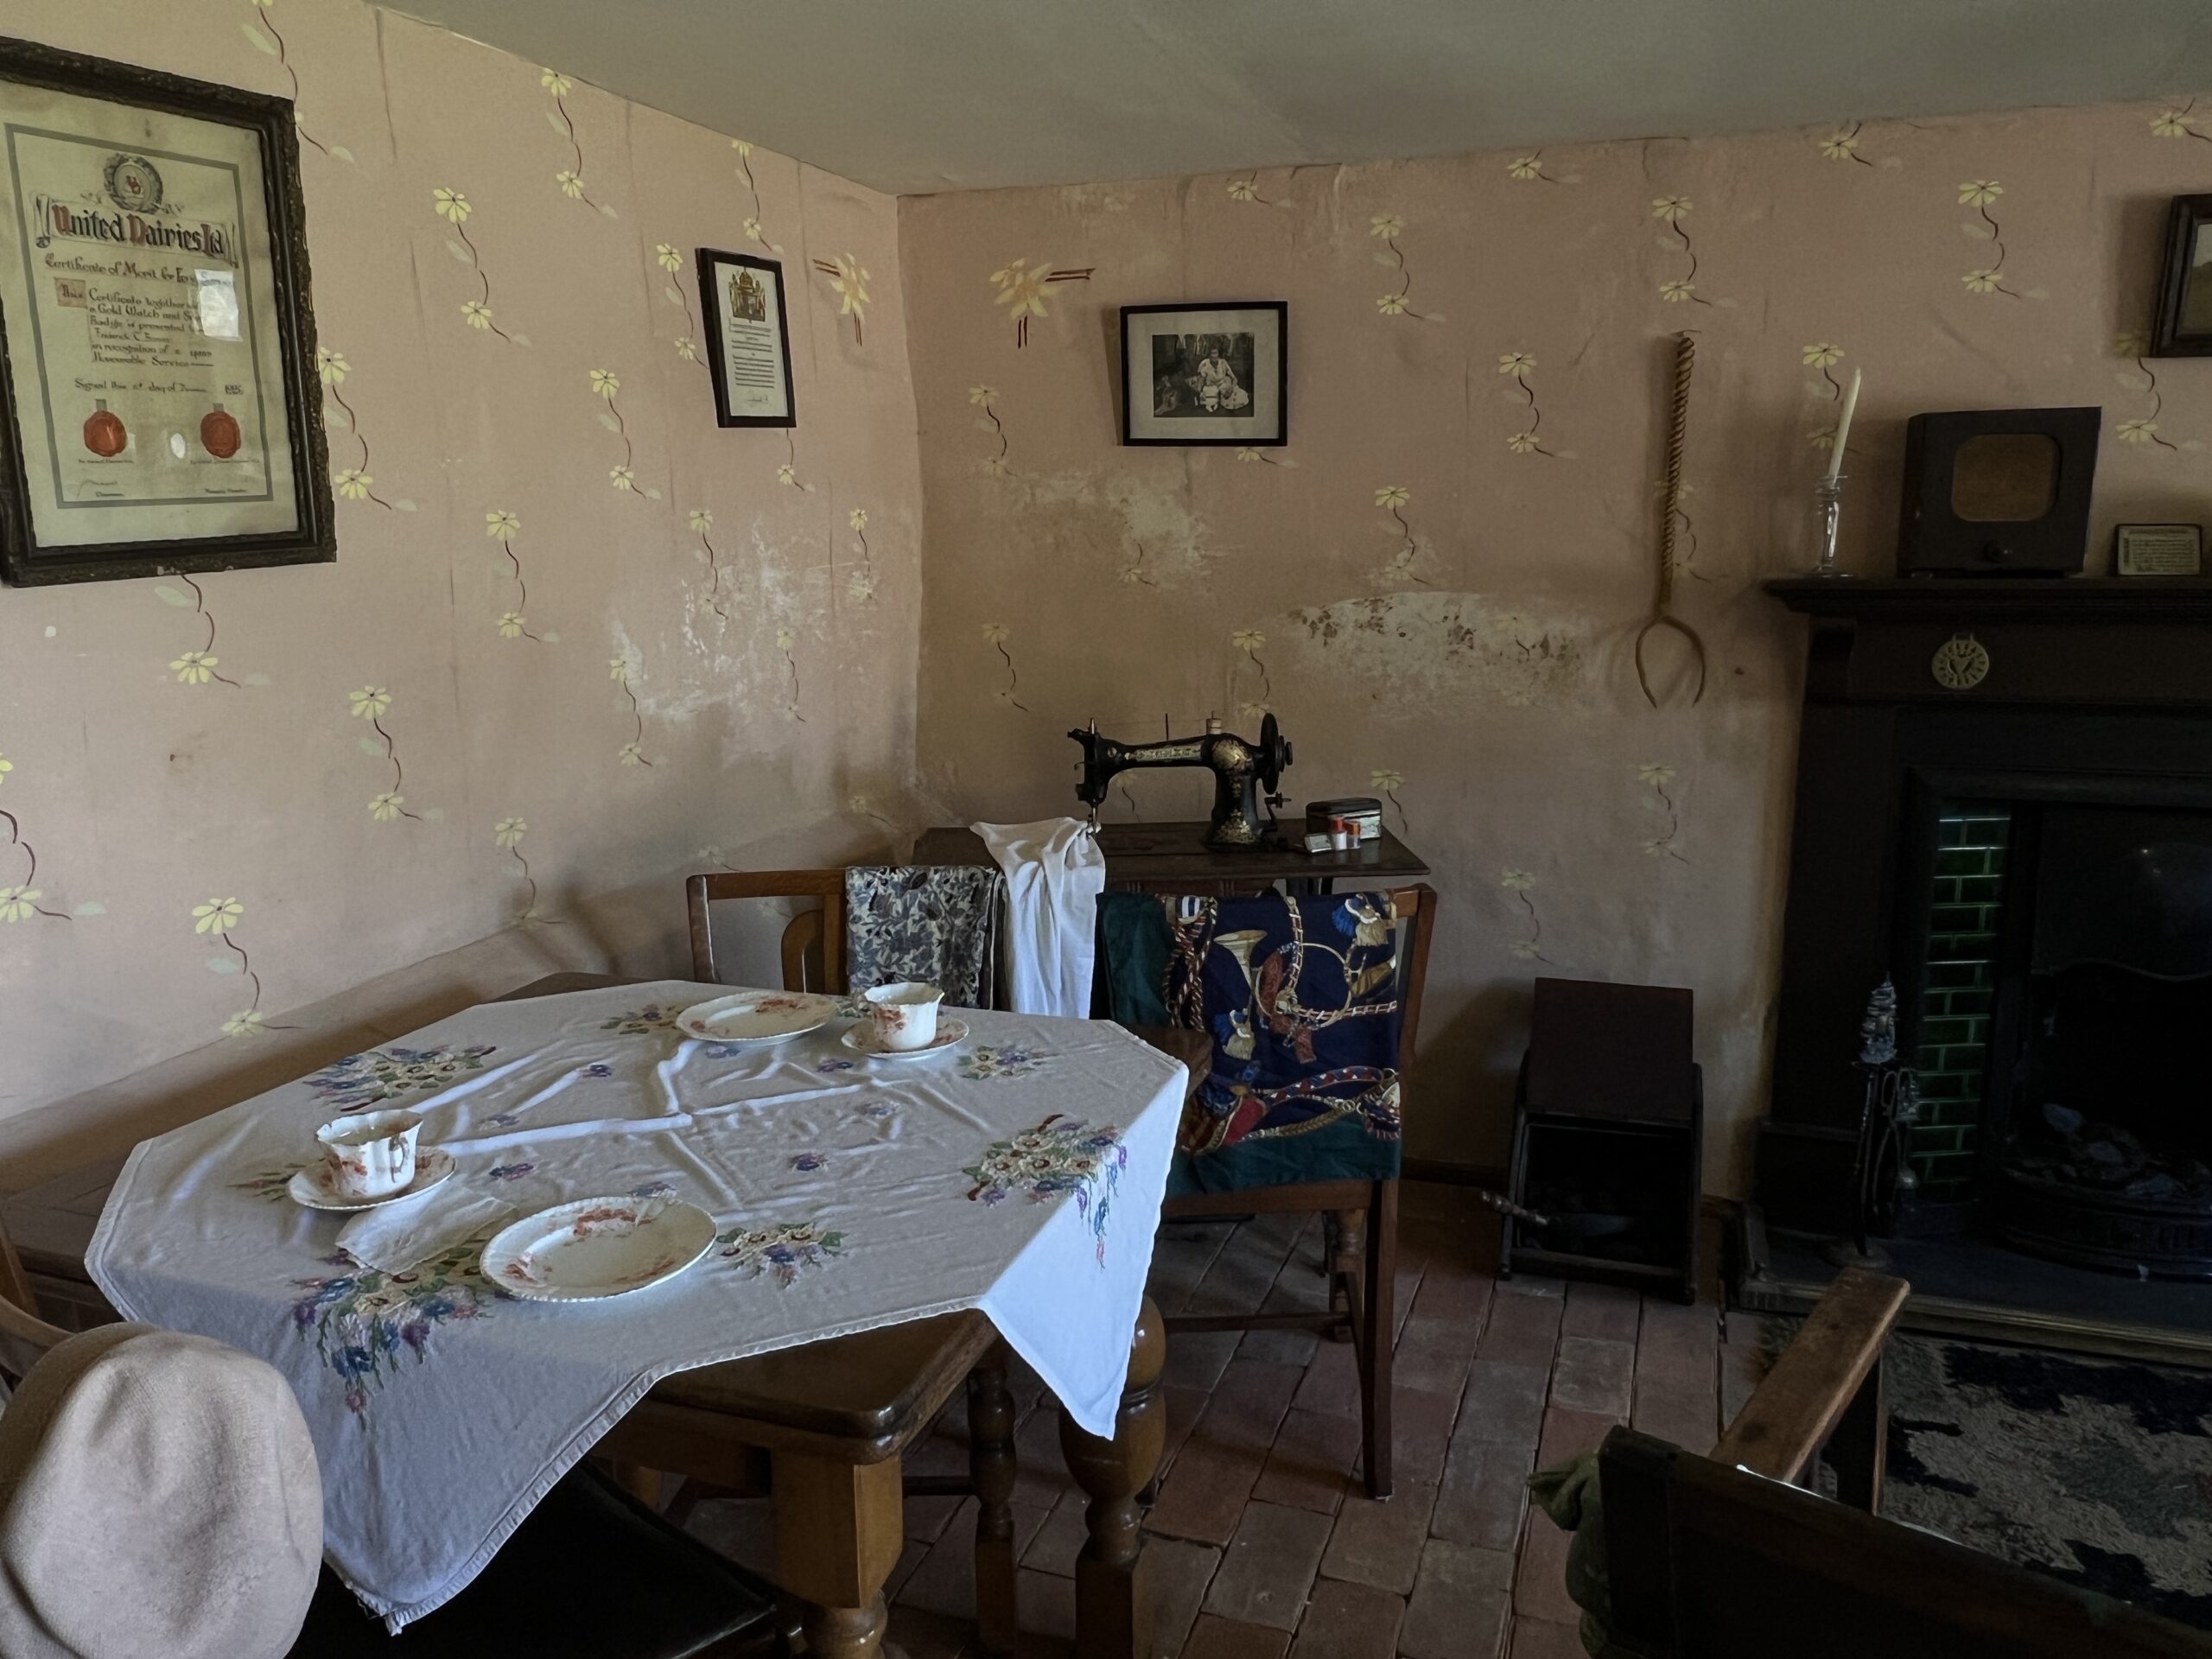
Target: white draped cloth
1054,874
1021,1174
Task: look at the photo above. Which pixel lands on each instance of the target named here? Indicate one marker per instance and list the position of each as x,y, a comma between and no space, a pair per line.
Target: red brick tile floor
1261,1542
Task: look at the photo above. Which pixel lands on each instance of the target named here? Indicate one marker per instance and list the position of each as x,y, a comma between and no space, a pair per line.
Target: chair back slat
23,1335
803,947
829,923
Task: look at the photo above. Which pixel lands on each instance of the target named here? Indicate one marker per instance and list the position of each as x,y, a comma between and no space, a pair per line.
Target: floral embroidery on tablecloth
389,1073
807,1162
833,1065
984,1061
269,1184
365,1321
641,1022
1061,1154
509,1171
652,1189
782,1250
878,1109
596,1069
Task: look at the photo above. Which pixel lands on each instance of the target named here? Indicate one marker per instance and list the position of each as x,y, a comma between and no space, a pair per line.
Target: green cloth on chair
1299,1091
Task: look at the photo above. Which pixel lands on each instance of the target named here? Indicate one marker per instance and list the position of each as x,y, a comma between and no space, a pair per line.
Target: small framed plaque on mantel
2158,550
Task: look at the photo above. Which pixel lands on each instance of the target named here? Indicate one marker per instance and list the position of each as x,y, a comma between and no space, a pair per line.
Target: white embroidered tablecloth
1020,1173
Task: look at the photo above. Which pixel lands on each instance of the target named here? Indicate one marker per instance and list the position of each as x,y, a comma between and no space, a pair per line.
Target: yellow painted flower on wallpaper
19,904
2136,343
1248,640
980,397
753,220
1244,189
1675,291
1398,301
666,257
1526,440
1671,211
1387,781
371,701
617,670
353,484
1978,194
622,478
6,766
555,83
507,835
1021,286
1394,499
1529,169
1985,279
787,474
620,670
1824,355
217,916
450,204
2141,430
849,281
385,807
331,367
572,185
452,207
249,1022
688,350
371,704
569,178
605,384
476,314
2179,123
634,754
996,634
501,525
511,625
508,832
1842,145
1521,884
194,668
1392,496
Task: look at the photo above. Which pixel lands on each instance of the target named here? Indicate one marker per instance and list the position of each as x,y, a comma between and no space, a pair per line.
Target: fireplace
2025,849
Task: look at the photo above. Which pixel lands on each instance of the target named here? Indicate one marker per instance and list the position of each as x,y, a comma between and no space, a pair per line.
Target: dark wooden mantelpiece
2097,690
2084,641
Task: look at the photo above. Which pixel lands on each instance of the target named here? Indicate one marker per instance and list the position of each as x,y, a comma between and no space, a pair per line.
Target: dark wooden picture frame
1133,389
711,308
2175,333
313,538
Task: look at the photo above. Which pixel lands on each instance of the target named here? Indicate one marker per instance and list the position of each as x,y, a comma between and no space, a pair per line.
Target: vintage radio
1997,491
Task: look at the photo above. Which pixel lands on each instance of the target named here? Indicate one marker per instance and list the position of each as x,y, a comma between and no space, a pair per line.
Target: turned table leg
1113,1608
838,1532
991,1465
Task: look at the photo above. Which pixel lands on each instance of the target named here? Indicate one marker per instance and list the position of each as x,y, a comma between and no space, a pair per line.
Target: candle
1843,428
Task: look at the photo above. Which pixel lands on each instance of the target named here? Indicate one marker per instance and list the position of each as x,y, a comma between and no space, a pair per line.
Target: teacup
904,1014
372,1153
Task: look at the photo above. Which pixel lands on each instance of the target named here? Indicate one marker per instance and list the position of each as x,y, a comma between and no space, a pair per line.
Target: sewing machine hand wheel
1274,756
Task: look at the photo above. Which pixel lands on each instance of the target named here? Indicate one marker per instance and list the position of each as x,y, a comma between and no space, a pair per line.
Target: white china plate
595,1248
312,1186
951,1033
757,1017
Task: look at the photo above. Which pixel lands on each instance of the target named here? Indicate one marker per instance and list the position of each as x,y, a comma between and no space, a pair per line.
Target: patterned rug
2095,1472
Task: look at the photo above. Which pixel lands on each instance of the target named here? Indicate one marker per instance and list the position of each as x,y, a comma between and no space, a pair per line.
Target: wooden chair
544,1592
814,940
1726,1557
1362,1268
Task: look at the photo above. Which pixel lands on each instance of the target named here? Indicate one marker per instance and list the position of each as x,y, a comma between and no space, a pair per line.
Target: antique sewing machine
1240,769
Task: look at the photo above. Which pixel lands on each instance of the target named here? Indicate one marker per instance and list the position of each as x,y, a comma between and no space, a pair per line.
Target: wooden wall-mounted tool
1662,596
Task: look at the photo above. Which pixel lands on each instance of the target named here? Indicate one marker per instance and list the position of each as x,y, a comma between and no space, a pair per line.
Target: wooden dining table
823,1426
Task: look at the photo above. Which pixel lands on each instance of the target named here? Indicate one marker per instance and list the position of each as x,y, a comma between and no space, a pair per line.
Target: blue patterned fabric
1300,996
936,924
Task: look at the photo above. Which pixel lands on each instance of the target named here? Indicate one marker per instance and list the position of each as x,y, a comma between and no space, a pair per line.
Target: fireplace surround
2004,805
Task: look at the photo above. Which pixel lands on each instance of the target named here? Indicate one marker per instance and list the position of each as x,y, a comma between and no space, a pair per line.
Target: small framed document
2158,551
749,345
159,409
1206,374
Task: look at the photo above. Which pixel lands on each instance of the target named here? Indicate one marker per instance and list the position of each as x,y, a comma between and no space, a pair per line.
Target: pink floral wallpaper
1436,584
578,638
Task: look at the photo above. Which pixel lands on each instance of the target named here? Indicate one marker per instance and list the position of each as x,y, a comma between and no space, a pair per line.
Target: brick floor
1262,1544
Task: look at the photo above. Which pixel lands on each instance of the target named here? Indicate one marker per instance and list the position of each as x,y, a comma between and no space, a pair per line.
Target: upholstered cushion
158,1500
591,1572
935,923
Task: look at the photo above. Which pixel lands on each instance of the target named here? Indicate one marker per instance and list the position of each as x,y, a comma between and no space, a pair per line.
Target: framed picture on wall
159,409
748,342
2184,318
1211,374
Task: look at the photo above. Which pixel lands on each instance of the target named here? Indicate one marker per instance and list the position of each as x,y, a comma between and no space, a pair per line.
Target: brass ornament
1960,662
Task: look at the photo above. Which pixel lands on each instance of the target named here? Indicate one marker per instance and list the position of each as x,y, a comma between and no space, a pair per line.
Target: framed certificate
158,407
2159,549
749,343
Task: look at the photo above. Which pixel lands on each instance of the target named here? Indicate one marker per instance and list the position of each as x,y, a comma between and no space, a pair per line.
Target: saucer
591,1248
757,1017
951,1033
311,1186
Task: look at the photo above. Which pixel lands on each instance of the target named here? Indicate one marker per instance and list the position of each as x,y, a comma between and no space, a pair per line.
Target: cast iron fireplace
2029,857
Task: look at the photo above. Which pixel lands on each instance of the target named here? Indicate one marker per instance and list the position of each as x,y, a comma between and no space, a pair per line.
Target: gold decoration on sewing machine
1241,769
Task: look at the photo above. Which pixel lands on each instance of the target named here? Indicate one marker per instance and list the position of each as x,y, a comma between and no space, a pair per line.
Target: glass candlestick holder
1827,498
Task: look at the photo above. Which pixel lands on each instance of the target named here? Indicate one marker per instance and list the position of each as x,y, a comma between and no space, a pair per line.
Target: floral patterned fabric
1020,1174
937,924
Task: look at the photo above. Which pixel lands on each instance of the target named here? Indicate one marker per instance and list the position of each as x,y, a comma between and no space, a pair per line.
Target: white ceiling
913,96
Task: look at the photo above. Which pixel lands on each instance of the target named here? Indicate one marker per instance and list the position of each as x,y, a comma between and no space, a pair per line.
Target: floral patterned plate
862,1039
596,1248
312,1188
757,1016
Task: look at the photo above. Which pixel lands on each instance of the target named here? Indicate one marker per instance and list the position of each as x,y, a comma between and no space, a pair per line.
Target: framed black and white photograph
748,342
159,409
2183,327
1209,373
